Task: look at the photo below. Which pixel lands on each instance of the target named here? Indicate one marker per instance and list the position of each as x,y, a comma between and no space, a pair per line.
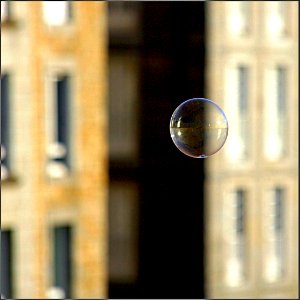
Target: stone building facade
53,195
252,184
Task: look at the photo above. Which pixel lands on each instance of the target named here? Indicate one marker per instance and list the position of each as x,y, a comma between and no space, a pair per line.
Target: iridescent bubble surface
198,127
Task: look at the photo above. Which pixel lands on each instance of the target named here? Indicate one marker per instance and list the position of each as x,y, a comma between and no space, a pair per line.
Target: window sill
63,30
57,170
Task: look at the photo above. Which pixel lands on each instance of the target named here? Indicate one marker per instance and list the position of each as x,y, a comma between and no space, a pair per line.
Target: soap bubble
198,127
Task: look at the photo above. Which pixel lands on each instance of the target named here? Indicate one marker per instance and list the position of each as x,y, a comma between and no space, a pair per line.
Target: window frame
55,287
10,260
130,60
6,104
244,153
274,242
240,11
5,12
56,169
129,188
275,116
68,15
273,13
235,243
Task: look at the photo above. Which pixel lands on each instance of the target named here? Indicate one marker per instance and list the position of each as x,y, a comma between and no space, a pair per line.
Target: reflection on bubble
198,127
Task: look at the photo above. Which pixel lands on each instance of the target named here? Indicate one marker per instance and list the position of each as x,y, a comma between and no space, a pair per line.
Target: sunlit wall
252,198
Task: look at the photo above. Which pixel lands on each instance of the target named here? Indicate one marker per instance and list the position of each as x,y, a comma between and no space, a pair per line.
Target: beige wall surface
259,35
32,201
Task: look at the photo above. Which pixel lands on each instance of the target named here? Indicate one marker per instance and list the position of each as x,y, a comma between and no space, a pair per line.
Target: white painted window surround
275,113
238,17
276,18
56,13
234,237
237,110
4,11
59,154
274,234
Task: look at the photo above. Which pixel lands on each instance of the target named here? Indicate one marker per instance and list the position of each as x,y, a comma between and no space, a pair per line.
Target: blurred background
96,200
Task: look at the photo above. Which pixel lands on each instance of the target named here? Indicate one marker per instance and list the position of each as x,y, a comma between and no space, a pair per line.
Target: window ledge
64,30
57,170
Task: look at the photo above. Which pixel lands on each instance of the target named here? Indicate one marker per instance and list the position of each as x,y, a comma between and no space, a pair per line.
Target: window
276,19
124,22
123,106
234,235
62,128
6,264
275,116
274,235
238,17
62,260
243,102
237,107
123,232
5,11
59,149
57,13
5,126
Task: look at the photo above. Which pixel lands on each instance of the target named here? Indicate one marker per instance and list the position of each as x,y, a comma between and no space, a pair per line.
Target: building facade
252,184
53,195
96,201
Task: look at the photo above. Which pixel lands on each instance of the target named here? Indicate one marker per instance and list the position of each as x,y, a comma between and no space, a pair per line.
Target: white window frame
5,11
55,69
276,19
57,13
238,145
275,119
238,18
234,246
290,230
273,261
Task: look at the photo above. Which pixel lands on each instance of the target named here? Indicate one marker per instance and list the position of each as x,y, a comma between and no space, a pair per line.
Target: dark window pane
6,263
279,210
62,259
279,225
281,85
5,137
240,227
70,10
62,117
123,106
243,88
123,223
